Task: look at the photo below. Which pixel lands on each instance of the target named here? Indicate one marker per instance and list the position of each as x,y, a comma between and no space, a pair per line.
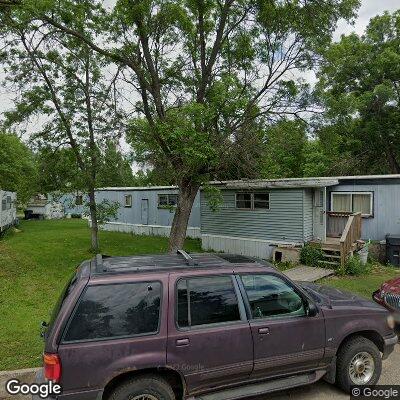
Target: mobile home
56,205
8,210
339,212
147,210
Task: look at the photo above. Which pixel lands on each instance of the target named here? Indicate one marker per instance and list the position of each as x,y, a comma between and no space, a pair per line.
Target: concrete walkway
23,375
308,274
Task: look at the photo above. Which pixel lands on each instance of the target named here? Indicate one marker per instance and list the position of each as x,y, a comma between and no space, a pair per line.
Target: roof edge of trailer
297,182
129,188
267,183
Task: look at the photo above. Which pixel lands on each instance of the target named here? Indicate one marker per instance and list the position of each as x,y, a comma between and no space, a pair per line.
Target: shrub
355,267
311,255
76,216
284,265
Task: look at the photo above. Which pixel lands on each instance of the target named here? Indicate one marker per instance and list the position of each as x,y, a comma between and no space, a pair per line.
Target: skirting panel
244,246
148,230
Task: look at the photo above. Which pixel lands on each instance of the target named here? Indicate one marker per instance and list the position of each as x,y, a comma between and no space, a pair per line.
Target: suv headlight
391,322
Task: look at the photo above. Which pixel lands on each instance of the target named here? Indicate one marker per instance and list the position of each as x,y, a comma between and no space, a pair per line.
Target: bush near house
354,267
311,255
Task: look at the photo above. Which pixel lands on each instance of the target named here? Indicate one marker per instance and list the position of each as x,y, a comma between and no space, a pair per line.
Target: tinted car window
183,308
64,295
270,296
203,301
110,311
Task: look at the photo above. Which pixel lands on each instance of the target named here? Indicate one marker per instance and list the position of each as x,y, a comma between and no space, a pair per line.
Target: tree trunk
187,194
93,217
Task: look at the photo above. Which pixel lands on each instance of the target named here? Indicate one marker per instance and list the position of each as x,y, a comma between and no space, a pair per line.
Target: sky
368,9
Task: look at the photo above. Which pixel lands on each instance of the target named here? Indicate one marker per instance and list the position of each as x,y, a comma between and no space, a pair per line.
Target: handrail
351,233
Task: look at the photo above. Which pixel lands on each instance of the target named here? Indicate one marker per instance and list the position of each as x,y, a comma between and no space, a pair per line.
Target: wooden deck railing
350,235
336,222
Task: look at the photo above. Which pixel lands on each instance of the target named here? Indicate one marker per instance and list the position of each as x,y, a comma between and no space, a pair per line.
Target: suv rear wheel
359,363
149,387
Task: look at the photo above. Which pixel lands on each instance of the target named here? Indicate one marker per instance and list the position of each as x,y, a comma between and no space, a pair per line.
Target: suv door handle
182,342
263,331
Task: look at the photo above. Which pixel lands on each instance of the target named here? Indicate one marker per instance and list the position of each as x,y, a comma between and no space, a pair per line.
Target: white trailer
43,206
8,209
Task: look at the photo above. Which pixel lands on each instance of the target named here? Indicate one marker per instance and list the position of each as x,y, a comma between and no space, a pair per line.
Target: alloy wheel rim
144,397
361,368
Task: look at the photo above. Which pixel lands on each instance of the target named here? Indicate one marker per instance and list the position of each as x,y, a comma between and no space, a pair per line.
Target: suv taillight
52,367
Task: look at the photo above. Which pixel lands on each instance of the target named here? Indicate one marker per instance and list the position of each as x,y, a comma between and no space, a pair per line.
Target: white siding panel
147,230
244,246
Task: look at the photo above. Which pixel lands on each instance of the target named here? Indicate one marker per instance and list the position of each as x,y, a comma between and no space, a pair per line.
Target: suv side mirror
312,309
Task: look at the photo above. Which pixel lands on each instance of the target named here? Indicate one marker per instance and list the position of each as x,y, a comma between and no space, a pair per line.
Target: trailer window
252,201
167,200
352,202
128,200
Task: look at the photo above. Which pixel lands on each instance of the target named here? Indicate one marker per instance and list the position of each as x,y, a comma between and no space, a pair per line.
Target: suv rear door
209,338
286,339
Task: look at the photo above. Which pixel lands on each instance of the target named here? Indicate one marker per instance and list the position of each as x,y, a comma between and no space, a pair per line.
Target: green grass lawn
363,285
35,263
37,260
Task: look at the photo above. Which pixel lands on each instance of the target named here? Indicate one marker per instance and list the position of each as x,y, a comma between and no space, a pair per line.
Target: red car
389,296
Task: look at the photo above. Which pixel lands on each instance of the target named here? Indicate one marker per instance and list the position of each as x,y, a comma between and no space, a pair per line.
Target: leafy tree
316,161
359,84
210,74
285,150
18,172
61,80
151,177
115,168
58,171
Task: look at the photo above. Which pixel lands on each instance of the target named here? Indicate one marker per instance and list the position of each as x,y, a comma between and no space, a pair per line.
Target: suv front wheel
359,363
149,387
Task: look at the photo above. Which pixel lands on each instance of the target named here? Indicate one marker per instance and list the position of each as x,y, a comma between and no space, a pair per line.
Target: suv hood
330,296
392,286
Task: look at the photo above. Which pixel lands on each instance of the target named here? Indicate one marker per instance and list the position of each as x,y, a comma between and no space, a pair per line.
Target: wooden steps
331,257
337,250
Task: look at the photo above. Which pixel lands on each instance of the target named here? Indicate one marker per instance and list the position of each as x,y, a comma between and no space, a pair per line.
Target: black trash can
393,250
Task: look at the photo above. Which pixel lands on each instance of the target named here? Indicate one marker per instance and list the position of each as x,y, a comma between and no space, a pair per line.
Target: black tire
149,384
346,354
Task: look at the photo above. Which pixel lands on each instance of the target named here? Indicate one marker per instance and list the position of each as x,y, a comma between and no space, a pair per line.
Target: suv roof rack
189,260
103,264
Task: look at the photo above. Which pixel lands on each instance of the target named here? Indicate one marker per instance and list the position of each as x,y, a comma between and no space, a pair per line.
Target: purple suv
206,327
